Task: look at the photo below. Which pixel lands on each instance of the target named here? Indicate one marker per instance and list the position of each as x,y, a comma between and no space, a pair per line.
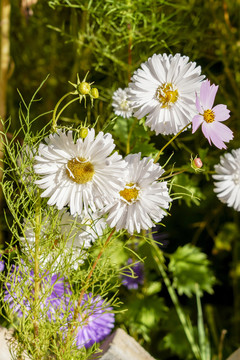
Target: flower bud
198,163
83,132
95,93
84,88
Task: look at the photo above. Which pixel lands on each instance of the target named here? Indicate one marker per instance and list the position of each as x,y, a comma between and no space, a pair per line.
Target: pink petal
223,131
206,131
204,92
217,133
221,112
207,94
218,142
211,96
196,122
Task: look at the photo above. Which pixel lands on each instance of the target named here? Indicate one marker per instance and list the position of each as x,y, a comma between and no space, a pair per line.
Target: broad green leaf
147,149
190,266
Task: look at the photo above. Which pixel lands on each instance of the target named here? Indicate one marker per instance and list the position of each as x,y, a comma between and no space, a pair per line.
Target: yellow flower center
209,116
130,193
167,95
124,105
80,170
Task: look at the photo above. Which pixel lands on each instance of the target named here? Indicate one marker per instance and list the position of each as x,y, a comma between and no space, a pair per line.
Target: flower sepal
83,89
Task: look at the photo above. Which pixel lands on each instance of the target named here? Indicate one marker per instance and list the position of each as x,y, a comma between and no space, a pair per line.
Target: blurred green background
110,39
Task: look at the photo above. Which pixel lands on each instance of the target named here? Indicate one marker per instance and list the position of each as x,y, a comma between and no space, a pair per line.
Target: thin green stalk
157,255
64,107
203,343
171,175
130,135
91,272
175,169
54,119
169,142
220,347
36,268
72,329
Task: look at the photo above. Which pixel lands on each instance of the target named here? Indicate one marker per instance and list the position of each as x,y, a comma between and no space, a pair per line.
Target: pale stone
8,345
235,355
121,346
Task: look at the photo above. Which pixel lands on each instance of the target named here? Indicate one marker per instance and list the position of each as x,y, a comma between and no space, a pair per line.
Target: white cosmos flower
80,174
164,89
121,104
142,198
72,236
227,175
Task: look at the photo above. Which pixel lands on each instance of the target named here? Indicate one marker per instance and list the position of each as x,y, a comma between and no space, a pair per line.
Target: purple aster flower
54,292
211,117
95,321
132,282
1,263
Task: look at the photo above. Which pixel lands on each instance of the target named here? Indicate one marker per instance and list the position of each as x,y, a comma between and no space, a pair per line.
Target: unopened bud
84,88
198,163
95,93
83,132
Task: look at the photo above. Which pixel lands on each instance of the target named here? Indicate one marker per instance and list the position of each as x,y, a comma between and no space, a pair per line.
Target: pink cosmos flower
211,117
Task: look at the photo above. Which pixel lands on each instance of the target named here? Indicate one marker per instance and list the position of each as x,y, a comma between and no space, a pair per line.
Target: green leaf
140,136
145,148
190,266
176,341
175,338
143,315
121,129
153,288
225,237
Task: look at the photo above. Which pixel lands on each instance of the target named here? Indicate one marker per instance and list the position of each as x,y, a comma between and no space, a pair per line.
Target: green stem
91,272
130,135
220,347
64,107
54,119
176,169
173,174
201,332
36,267
72,329
169,142
158,257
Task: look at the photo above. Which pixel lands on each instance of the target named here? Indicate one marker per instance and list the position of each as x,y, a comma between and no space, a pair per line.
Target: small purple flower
54,286
132,282
95,321
211,117
2,265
